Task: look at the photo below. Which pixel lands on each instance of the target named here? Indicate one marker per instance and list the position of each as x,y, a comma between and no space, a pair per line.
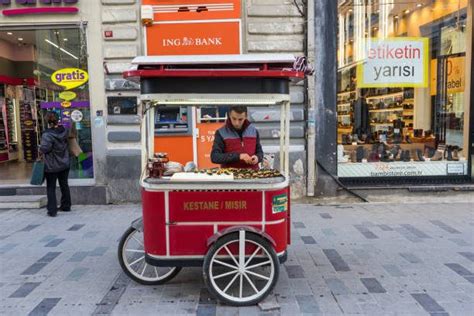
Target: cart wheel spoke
231,255
135,250
225,274
156,272
226,264
257,275
138,260
241,285
251,283
144,268
258,265
230,283
138,241
253,255
241,248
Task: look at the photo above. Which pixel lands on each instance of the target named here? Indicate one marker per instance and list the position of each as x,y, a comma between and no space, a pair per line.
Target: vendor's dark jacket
54,146
230,143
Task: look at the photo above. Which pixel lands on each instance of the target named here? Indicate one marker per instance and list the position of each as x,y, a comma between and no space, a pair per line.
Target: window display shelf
346,92
387,110
385,96
344,104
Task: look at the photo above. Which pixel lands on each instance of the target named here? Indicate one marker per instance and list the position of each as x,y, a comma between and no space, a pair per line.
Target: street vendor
237,143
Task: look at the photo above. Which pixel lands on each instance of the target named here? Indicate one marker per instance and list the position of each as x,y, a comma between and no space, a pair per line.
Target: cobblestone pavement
373,259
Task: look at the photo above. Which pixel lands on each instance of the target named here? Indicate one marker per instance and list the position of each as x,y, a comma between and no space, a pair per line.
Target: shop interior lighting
419,5
407,11
61,49
65,39
395,17
9,33
20,38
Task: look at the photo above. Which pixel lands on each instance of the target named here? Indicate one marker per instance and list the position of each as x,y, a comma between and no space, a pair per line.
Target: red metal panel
214,73
209,206
154,222
273,213
189,240
279,233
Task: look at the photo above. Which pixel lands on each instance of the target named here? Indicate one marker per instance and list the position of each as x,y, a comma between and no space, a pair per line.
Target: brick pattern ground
365,259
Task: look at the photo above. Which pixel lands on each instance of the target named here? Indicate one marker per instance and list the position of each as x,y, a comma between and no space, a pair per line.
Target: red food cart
238,230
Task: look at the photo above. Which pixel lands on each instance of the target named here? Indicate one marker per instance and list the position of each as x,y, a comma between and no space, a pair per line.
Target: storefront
403,99
46,65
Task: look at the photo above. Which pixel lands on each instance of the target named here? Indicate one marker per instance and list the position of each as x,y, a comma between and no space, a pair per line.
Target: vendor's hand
246,158
254,160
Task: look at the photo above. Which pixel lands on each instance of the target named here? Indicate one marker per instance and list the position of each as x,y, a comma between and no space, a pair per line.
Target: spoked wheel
131,254
241,268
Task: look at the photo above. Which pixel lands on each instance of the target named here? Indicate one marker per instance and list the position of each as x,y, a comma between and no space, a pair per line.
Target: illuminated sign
69,78
67,95
394,62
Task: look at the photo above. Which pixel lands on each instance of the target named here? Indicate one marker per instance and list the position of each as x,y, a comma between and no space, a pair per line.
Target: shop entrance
39,72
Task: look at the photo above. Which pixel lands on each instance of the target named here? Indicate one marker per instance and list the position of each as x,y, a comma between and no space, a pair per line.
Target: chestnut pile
242,173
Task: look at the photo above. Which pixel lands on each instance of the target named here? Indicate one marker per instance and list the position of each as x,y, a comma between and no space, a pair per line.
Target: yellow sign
67,95
66,104
394,62
70,78
456,80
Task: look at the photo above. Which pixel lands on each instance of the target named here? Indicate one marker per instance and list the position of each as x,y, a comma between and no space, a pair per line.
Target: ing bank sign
192,27
27,7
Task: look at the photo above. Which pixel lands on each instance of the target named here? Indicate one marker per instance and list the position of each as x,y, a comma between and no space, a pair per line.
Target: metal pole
311,127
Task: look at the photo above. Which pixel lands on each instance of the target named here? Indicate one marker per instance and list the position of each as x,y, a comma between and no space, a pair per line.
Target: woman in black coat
55,150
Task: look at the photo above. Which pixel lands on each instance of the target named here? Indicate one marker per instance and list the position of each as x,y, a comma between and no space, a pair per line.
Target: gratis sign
394,62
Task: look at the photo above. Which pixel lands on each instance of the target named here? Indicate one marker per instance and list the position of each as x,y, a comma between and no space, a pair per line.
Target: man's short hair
238,109
51,118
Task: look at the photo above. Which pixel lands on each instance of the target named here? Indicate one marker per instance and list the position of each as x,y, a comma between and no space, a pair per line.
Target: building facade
390,100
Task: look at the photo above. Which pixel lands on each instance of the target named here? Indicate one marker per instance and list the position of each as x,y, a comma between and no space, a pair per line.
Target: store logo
187,41
31,9
70,78
67,95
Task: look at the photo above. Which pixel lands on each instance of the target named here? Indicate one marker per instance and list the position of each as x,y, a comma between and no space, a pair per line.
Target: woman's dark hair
51,118
238,109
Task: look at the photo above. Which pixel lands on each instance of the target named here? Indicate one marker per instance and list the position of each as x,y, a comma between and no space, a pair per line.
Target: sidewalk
372,259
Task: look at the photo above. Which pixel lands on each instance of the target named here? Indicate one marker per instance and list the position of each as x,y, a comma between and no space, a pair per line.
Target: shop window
43,70
401,95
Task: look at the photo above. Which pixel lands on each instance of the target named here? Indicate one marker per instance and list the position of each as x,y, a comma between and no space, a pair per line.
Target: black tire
252,238
126,267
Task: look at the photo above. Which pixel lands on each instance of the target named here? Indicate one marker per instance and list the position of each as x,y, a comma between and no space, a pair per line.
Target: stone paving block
45,306
328,232
410,257
7,247
91,234
298,225
366,232
77,274
29,228
415,231
408,235
25,289
428,303
393,270
47,238
76,227
307,304
294,271
308,240
337,286
336,260
78,256
468,255
445,227
54,242
460,242
97,252
325,215
385,228
373,285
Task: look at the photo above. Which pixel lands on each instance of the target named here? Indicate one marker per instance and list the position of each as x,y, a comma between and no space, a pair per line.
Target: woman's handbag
37,174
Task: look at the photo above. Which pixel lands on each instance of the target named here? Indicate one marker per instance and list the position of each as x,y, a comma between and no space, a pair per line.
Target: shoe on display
438,155
448,153
360,153
408,140
419,155
373,157
406,156
455,153
353,156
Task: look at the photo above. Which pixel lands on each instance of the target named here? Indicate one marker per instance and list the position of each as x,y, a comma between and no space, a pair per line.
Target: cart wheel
241,268
131,254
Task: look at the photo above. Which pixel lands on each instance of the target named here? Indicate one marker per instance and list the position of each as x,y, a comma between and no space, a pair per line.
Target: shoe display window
401,88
